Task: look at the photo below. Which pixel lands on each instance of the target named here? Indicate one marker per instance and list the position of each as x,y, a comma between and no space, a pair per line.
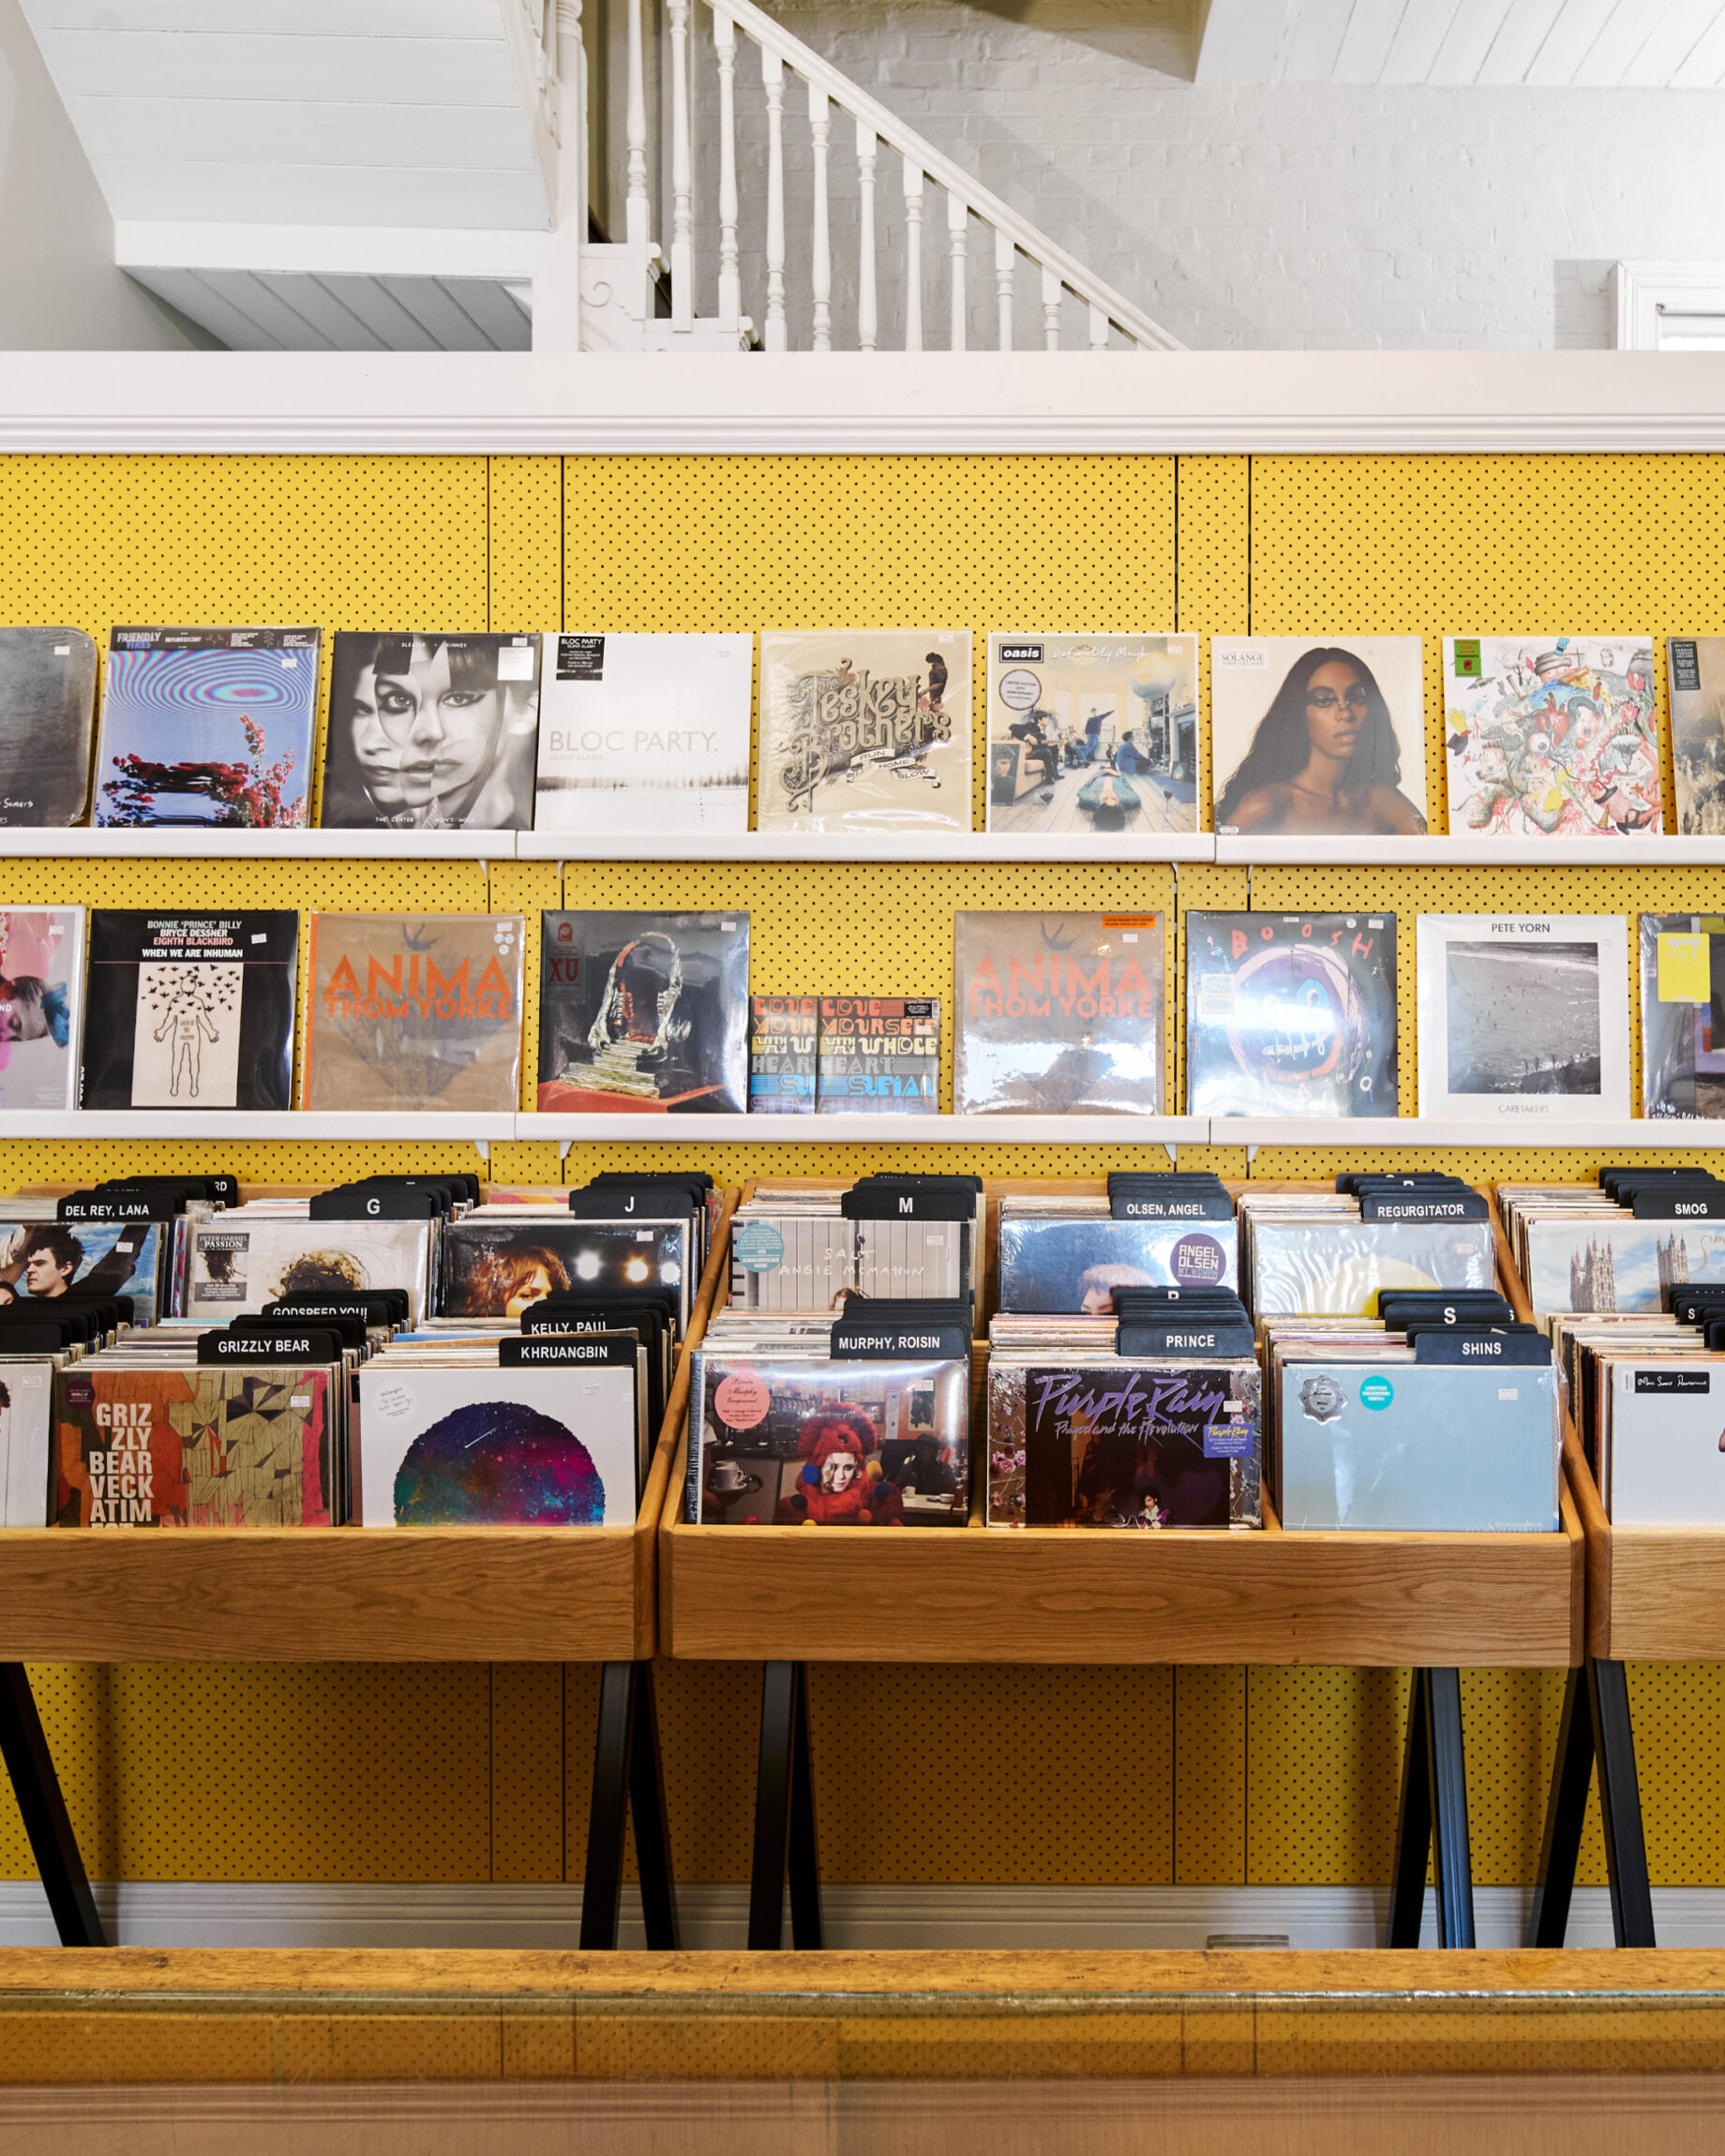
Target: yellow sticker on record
1684,974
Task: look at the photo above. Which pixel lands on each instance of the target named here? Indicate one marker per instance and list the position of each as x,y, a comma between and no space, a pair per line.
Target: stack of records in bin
1151,1230
794,1249
1438,1411
1143,1414
232,1263
1328,1252
1619,1247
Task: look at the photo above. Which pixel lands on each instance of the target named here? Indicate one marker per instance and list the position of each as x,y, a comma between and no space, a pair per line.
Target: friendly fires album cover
864,729
208,726
419,1010
430,732
1523,1017
1547,736
644,1013
1092,735
1291,1014
47,725
1058,1014
42,1002
1319,735
646,732
189,1011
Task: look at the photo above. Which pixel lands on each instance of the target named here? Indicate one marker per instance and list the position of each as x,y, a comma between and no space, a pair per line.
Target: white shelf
224,1123
179,841
896,847
1365,1133
870,1130
1457,850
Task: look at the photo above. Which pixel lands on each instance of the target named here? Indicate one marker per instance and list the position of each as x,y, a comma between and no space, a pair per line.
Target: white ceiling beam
1240,40
143,190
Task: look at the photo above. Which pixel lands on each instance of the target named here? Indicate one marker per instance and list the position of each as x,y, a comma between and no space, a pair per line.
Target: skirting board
240,1914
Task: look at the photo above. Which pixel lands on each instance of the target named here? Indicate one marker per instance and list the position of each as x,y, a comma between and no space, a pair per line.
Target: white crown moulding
1452,849
170,842
1364,1134
870,1130
199,1124
598,403
887,845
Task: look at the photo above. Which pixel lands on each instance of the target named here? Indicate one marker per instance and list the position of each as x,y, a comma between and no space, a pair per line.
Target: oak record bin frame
363,1595
1430,1602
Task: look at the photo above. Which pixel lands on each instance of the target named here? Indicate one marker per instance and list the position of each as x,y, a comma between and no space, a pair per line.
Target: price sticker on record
742,1400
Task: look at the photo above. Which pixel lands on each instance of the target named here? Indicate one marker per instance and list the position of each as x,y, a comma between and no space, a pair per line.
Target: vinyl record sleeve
784,1053
1337,1267
1550,736
1092,736
414,1010
1075,1265
493,1268
26,1440
1696,671
1666,1465
802,1262
1291,1014
138,1447
452,1447
1619,1264
189,1011
1319,734
238,1261
430,731
1682,1014
644,1013
41,1005
1522,1017
645,732
208,726
864,729
40,1259
878,1055
1398,1447
1058,1014
47,725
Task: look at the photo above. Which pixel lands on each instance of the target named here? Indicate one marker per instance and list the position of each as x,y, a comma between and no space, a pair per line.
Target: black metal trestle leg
785,1838
1432,1816
1594,1728
30,1764
1566,1809
627,1776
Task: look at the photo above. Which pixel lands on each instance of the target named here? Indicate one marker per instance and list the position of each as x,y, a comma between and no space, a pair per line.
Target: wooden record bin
1060,1595
350,1594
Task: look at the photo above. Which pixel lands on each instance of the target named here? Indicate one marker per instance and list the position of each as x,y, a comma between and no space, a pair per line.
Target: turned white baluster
730,282
773,82
1099,330
820,255
638,226
957,225
1051,311
683,217
867,327
1006,256
913,256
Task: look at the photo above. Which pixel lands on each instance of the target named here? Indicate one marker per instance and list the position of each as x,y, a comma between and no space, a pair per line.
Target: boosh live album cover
47,725
430,732
1058,1014
41,1005
644,1013
208,726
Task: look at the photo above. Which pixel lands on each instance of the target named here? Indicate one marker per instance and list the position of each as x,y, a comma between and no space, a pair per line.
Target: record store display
1068,1254
47,725
208,726
1290,1014
1682,1014
877,1056
41,1005
1696,669
430,731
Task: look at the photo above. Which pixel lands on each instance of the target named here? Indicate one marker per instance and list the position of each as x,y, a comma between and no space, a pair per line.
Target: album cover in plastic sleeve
864,729
208,726
878,1055
1522,1017
809,1442
414,1010
454,1447
1058,1014
1400,1448
1665,1465
645,732
1092,736
1550,736
808,1261
784,1053
1291,1014
1617,1265
189,1011
430,731
238,1261
47,725
494,1268
159,1447
644,1013
1682,1014
1696,668
41,1005
1076,1265
26,1440
1321,1268
1318,735
40,1259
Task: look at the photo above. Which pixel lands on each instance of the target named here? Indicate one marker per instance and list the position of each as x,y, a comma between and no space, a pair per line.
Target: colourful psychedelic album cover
1291,1014
1092,735
47,725
42,1260
1318,735
41,1005
26,1440
430,732
454,1447
494,1268
414,1010
194,1447
208,726
237,1261
1696,665
1549,735
644,1013
864,729
189,1011
1682,1014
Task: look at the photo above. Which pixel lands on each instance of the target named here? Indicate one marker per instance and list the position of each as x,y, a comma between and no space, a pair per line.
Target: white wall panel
295,193
130,64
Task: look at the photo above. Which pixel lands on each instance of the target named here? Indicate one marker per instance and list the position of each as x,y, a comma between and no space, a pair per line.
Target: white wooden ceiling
1540,44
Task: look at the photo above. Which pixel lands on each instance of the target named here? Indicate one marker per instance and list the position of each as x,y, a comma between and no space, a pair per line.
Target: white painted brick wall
1290,217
